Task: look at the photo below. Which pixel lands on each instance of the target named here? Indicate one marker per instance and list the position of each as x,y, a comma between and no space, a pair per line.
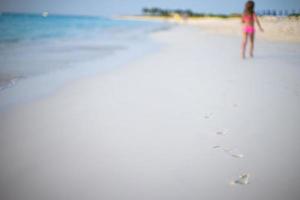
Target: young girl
248,19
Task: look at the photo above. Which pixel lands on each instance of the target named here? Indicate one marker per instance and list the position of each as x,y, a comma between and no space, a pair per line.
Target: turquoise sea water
31,27
57,48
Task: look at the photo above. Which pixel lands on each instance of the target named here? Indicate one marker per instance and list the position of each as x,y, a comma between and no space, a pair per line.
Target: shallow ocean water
54,49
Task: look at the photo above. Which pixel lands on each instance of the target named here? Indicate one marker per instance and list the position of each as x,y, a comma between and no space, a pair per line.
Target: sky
123,7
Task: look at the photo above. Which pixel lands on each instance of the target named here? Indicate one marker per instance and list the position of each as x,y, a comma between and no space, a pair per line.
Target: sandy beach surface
190,121
278,29
284,29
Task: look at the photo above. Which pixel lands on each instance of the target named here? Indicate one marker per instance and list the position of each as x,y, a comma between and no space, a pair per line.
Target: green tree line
189,13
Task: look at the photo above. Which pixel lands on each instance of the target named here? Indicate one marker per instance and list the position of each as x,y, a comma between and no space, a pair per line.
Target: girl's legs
244,43
251,44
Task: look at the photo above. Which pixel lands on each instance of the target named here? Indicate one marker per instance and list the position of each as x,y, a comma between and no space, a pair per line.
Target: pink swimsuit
249,28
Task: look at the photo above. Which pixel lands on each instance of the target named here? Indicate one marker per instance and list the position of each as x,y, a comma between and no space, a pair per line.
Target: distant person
248,19
185,17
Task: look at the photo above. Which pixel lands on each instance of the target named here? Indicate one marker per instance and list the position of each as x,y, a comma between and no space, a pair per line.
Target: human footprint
242,180
232,152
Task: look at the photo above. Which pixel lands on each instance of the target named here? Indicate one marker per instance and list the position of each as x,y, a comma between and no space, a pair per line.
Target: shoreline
21,89
212,25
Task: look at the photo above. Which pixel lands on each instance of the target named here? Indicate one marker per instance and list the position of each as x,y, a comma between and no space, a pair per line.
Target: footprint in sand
242,180
235,105
220,133
207,116
232,152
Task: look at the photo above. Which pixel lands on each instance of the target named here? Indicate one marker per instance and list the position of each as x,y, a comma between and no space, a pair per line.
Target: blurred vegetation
189,13
294,15
185,13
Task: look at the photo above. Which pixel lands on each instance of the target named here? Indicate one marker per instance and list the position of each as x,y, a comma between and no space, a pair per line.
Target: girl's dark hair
249,8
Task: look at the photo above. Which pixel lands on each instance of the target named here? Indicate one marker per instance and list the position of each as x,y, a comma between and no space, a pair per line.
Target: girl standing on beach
248,19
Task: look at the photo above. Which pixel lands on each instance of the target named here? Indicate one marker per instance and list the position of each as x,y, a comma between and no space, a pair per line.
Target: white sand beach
180,123
283,29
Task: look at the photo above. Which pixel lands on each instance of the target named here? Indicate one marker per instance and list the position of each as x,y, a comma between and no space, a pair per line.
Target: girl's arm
242,19
258,23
